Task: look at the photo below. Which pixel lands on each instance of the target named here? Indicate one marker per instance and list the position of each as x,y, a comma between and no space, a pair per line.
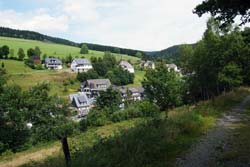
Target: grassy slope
86,139
26,77
157,144
51,49
139,75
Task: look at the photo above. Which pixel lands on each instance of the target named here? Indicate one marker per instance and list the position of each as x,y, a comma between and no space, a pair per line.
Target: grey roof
80,100
126,64
123,90
81,61
53,61
92,83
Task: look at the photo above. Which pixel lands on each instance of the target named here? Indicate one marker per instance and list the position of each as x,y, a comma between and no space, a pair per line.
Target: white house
127,66
81,102
53,63
132,93
148,64
173,67
81,65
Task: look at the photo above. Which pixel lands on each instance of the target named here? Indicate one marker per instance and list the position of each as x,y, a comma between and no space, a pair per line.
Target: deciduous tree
84,49
163,86
110,98
225,11
21,54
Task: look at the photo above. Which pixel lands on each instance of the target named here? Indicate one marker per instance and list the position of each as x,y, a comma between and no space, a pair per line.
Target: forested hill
23,34
8,32
168,53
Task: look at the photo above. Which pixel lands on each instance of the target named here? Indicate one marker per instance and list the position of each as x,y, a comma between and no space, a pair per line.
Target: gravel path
210,146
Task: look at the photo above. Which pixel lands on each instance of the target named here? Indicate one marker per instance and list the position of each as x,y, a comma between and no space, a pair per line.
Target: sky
147,25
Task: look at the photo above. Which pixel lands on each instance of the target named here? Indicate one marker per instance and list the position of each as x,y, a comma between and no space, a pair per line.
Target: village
109,83
84,100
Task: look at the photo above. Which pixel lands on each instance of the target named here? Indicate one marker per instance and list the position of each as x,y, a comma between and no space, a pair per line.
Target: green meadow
56,50
26,77
139,75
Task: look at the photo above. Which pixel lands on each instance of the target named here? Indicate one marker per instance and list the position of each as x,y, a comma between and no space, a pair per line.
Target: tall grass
154,142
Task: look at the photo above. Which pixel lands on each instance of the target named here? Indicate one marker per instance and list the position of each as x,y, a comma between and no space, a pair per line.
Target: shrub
187,122
134,112
39,67
83,124
148,109
97,118
29,63
119,116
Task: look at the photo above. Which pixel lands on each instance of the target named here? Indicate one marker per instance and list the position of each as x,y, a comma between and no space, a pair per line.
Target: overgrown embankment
154,142
213,148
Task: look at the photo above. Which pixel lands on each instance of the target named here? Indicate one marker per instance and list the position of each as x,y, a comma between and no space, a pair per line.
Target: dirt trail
25,158
205,152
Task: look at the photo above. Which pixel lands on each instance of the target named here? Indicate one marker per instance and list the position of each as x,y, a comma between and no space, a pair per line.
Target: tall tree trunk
66,151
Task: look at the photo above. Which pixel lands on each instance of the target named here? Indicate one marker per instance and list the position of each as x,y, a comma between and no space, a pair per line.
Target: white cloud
80,10
38,20
145,24
139,24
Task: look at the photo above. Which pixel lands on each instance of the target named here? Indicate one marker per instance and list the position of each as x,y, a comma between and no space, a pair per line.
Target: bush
83,124
97,118
119,116
29,63
100,117
136,110
39,67
187,122
148,109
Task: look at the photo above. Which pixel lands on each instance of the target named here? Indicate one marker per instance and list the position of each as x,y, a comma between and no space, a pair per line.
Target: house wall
131,70
81,68
54,67
83,111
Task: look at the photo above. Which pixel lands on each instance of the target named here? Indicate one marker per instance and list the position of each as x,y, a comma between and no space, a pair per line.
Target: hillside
57,50
31,35
168,53
122,144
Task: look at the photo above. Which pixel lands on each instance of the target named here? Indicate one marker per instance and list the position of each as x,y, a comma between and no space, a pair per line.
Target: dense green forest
170,54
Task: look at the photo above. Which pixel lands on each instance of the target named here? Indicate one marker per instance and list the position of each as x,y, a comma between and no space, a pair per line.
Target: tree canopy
163,86
84,49
225,11
110,98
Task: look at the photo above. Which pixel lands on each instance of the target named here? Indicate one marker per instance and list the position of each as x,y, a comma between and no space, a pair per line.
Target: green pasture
57,50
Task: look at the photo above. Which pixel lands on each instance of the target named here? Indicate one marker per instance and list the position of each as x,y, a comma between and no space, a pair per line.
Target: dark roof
53,61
